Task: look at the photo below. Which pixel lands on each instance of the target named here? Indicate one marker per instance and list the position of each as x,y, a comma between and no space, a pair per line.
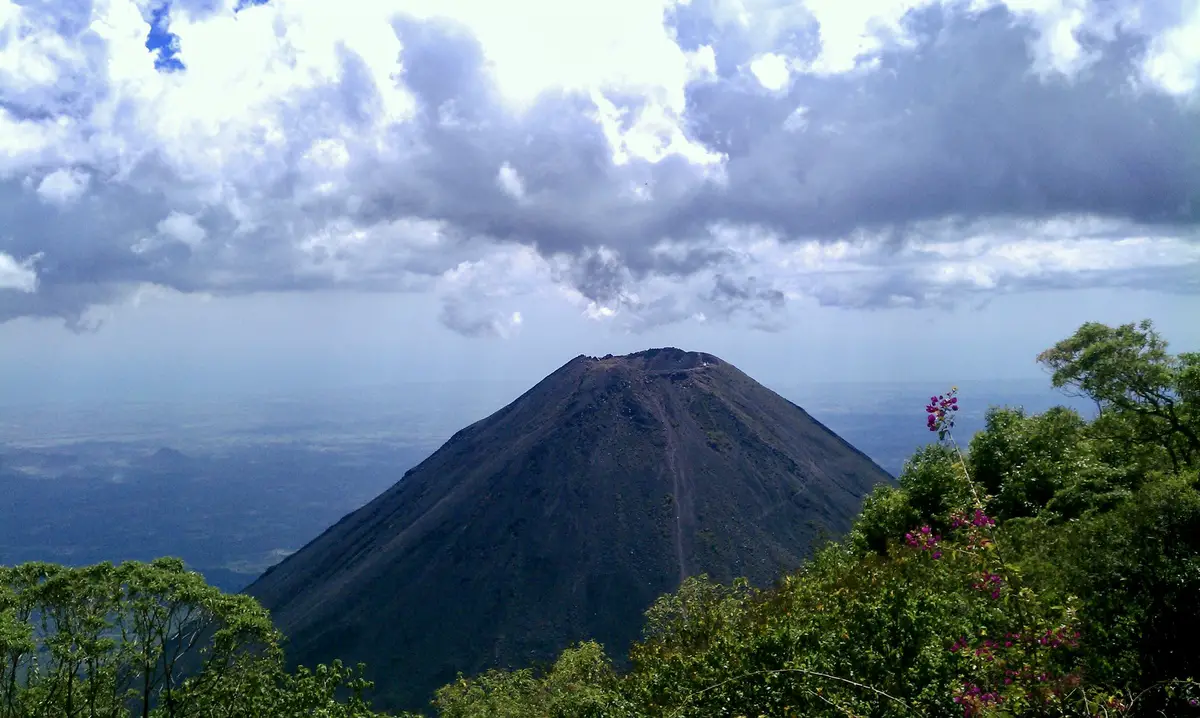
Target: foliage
1047,464
149,639
1127,369
581,684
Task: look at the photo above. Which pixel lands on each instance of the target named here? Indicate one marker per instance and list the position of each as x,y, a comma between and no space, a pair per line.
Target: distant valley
230,515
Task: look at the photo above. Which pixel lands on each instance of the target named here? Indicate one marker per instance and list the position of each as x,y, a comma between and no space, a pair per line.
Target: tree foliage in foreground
150,639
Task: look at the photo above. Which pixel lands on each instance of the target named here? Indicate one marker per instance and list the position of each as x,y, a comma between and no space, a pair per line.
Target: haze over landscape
368,306
256,475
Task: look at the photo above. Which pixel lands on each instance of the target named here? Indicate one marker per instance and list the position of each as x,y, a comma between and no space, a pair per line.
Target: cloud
175,227
64,186
470,321
510,181
483,297
18,276
650,161
772,71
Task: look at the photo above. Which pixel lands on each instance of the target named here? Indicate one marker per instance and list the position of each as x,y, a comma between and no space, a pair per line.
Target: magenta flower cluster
1038,684
989,581
940,412
982,651
1050,638
1059,637
976,539
979,520
925,540
974,700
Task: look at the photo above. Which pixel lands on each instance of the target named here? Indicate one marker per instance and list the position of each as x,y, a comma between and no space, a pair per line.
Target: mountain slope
562,517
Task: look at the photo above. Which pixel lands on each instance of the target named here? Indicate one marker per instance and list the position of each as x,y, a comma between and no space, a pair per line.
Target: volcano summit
562,517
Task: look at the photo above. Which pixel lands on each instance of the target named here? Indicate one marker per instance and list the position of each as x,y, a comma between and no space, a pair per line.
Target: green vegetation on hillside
150,639
1051,568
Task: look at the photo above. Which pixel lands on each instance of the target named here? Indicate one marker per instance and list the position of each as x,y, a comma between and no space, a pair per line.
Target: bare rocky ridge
562,517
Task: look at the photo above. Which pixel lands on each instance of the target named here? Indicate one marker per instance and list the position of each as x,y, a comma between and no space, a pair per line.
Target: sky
206,196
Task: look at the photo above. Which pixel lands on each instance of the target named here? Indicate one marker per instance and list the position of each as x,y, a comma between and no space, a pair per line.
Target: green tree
1045,465
149,639
580,684
886,514
1127,369
931,488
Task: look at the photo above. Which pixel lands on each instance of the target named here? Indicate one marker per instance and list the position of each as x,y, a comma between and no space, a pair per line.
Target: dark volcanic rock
562,517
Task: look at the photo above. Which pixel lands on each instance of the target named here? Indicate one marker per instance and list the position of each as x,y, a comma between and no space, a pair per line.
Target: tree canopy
150,639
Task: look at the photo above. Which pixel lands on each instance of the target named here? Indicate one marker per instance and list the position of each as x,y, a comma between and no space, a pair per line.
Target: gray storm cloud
952,127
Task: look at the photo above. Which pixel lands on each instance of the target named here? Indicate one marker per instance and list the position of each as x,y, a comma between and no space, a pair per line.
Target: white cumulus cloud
63,186
18,276
648,161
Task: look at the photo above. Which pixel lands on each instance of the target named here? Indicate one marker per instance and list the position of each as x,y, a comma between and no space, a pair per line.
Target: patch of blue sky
165,44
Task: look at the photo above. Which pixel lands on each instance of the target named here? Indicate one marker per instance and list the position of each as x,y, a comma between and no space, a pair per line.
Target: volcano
562,517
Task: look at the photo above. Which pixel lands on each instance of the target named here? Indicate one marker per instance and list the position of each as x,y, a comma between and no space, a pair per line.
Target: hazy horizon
258,477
